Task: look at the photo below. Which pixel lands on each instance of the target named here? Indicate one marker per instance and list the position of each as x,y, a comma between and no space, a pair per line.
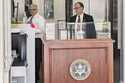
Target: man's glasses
76,8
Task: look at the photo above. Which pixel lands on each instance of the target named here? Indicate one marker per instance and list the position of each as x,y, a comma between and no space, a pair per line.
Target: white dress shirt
81,18
79,33
38,23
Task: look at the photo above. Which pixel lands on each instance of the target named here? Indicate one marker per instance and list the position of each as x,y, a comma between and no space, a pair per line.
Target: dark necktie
78,25
30,21
78,19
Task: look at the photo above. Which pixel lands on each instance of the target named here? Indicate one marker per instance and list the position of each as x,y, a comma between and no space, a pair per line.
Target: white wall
97,9
59,9
1,41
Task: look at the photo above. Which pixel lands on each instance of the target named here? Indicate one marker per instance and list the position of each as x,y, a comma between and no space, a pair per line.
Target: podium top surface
79,43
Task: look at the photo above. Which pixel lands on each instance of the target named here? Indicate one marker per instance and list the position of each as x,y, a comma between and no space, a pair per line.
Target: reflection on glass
48,9
67,31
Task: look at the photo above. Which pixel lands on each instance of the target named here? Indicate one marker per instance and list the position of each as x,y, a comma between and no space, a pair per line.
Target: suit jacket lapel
75,18
84,18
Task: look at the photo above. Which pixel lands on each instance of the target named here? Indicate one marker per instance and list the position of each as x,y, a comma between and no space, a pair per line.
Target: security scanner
23,53
19,48
19,57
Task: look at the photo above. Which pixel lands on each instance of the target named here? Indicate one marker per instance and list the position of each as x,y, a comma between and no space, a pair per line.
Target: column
1,41
6,21
123,39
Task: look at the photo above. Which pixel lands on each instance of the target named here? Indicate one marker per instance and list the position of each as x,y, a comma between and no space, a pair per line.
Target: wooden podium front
94,56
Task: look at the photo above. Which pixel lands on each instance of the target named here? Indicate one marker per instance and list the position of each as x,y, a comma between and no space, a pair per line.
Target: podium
78,61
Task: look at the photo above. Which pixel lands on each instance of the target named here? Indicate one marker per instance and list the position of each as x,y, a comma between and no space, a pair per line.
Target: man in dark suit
81,17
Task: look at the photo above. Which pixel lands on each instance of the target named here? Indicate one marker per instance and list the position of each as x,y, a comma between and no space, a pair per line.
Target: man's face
78,9
33,10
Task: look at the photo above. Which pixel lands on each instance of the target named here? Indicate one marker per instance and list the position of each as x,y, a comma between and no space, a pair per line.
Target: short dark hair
80,3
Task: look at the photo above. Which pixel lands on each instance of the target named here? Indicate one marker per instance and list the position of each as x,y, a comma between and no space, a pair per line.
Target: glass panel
67,31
